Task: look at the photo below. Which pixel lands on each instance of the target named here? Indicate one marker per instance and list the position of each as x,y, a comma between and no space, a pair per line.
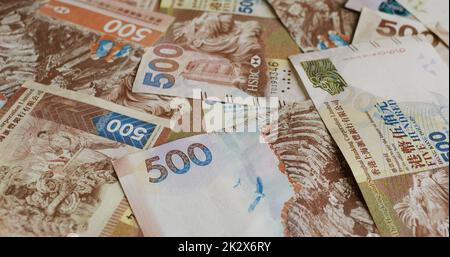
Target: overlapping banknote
56,148
234,184
433,14
386,105
89,46
56,175
386,6
374,25
232,51
146,4
317,24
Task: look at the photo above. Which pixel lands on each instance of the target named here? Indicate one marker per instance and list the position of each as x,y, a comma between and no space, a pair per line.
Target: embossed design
323,74
424,209
327,201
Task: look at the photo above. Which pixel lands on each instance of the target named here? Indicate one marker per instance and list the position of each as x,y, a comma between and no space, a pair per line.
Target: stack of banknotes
224,118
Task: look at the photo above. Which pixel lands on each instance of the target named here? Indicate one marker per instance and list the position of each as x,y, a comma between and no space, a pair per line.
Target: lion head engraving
324,75
229,45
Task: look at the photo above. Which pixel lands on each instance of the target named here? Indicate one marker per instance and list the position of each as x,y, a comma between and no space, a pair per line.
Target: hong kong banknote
433,14
2,100
374,25
89,46
295,185
317,25
56,175
230,50
386,105
146,4
386,6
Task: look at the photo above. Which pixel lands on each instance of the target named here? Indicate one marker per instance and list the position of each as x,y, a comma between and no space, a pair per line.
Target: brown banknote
56,176
89,46
229,50
152,5
317,24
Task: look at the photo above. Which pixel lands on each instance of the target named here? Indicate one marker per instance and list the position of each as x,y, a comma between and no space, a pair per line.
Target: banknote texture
433,14
56,176
375,25
386,6
147,4
385,135
316,195
316,25
229,54
50,51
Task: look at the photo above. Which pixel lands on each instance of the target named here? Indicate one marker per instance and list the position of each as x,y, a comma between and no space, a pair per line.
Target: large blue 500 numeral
441,145
162,170
156,81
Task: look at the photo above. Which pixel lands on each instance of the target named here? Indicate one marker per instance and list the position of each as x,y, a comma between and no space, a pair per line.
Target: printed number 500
126,130
163,65
126,30
186,159
441,143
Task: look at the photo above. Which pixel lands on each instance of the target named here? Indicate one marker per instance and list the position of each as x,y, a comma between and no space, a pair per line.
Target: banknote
230,50
433,14
2,100
297,184
146,4
386,6
56,176
374,25
317,25
386,105
89,46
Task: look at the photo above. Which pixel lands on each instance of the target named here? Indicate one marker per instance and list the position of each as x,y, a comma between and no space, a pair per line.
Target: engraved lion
323,74
424,209
220,35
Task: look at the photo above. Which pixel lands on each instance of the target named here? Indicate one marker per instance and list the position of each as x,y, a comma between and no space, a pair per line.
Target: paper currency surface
229,50
386,6
147,4
56,176
89,46
297,185
317,25
374,25
386,105
433,14
2,100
